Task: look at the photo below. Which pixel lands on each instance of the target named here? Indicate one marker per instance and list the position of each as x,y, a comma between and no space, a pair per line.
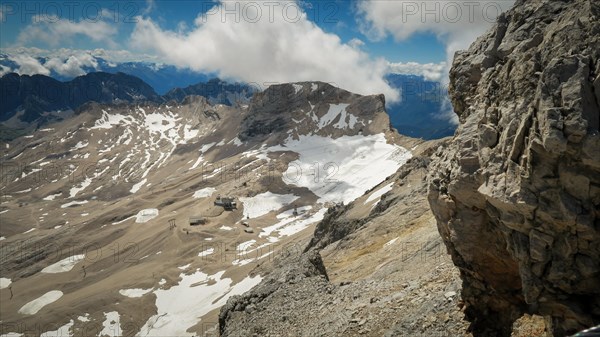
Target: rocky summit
516,194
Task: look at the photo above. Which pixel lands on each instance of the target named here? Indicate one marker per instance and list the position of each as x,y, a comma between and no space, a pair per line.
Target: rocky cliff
517,193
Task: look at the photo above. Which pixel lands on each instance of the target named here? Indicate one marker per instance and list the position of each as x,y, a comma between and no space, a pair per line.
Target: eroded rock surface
517,193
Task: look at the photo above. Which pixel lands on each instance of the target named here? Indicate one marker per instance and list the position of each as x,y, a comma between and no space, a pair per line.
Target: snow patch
391,242
297,88
146,215
189,133
74,190
204,193
242,247
137,186
80,145
185,266
107,120
290,225
264,203
332,113
237,141
377,194
36,305
63,265
206,252
73,203
135,292
121,221
111,324
4,282
52,197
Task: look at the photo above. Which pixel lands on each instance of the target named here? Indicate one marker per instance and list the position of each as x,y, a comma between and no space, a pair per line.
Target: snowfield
347,166
180,307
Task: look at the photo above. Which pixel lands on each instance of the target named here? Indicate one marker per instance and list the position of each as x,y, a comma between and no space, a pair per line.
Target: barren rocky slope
95,237
517,193
375,267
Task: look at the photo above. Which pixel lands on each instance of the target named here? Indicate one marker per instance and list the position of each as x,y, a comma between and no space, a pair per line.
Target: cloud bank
54,31
29,65
456,23
265,42
430,71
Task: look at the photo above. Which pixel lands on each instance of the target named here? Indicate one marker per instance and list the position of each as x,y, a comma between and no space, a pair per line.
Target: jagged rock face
313,108
517,193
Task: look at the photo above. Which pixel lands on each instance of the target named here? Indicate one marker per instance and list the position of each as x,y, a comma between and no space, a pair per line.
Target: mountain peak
313,108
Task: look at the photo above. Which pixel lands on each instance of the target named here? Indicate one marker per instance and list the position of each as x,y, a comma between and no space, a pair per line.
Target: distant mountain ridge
159,76
30,102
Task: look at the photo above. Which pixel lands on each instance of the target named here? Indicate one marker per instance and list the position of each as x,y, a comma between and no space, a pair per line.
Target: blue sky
337,17
352,44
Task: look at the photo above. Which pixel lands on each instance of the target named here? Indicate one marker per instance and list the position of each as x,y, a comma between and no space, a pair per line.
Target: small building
228,203
249,230
245,224
197,220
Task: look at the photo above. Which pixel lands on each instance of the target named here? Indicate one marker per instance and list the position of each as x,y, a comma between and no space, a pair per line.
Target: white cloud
430,71
4,70
356,43
265,42
29,65
73,65
447,112
54,31
110,55
455,23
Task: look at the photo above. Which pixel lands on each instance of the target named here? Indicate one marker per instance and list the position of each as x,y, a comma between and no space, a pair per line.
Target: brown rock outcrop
517,193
